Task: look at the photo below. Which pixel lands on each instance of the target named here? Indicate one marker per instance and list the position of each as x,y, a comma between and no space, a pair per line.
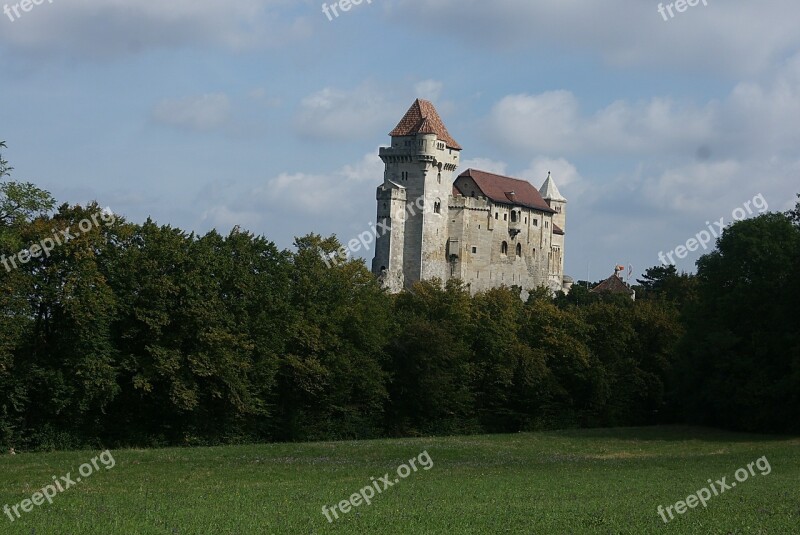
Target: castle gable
506,190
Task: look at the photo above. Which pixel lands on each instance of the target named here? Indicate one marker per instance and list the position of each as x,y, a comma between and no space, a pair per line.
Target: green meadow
577,481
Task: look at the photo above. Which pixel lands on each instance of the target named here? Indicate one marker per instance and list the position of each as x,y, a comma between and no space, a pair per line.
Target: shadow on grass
669,433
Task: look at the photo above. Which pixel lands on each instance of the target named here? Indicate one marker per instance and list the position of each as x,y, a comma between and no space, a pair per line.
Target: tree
576,388
20,202
794,214
665,283
742,349
429,361
331,381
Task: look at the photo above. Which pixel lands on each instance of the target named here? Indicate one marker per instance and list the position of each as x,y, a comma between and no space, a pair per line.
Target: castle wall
478,228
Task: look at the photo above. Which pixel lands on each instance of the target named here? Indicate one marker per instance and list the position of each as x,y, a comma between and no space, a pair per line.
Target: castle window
437,207
496,215
505,217
473,194
526,220
547,224
474,250
513,216
504,248
535,222
519,249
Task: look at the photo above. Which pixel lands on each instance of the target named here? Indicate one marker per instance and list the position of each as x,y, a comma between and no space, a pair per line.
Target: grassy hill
581,481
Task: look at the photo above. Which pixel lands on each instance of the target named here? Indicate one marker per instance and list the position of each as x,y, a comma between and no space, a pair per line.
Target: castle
485,229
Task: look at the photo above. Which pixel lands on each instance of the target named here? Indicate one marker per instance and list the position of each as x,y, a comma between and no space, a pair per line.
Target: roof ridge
502,176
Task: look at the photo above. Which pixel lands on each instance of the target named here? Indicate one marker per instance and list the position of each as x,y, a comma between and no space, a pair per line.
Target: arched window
504,248
513,216
519,249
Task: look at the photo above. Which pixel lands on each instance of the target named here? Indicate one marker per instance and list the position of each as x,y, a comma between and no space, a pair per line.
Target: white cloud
483,164
544,122
294,203
104,28
735,36
566,175
224,218
370,169
203,112
689,188
322,194
552,122
756,120
334,114
429,89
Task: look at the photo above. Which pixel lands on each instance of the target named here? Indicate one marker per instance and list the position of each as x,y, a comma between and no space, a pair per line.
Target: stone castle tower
485,229
413,199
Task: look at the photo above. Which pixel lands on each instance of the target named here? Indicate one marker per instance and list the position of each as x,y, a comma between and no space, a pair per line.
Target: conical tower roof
422,118
549,190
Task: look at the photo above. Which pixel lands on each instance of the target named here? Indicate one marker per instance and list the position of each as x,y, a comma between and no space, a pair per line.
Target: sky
268,114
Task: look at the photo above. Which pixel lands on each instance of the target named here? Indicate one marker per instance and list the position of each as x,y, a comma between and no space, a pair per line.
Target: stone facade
484,229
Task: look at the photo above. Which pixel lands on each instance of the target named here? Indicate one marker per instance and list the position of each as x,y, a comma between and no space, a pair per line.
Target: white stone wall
423,168
478,228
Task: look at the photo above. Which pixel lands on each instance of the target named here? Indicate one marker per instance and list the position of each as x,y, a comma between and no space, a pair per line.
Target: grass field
583,481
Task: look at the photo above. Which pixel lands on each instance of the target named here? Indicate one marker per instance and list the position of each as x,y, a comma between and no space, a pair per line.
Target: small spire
549,190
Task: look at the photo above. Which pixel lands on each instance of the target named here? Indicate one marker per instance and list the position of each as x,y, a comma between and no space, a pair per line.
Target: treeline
145,335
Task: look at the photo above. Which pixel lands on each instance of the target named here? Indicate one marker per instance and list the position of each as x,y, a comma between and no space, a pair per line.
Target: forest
126,334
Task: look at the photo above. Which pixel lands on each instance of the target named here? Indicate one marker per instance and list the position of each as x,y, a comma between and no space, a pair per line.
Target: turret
556,201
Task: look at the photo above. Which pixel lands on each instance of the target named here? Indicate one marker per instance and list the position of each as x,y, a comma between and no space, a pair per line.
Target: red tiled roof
422,118
557,230
498,188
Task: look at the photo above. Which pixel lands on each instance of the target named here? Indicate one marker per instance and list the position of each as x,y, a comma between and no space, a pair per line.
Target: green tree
665,283
742,350
20,204
331,381
429,366
577,388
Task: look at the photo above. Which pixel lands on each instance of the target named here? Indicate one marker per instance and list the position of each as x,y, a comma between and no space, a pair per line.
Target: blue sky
263,113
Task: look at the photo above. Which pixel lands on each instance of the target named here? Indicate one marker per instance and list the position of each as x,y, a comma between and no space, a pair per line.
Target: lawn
580,481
